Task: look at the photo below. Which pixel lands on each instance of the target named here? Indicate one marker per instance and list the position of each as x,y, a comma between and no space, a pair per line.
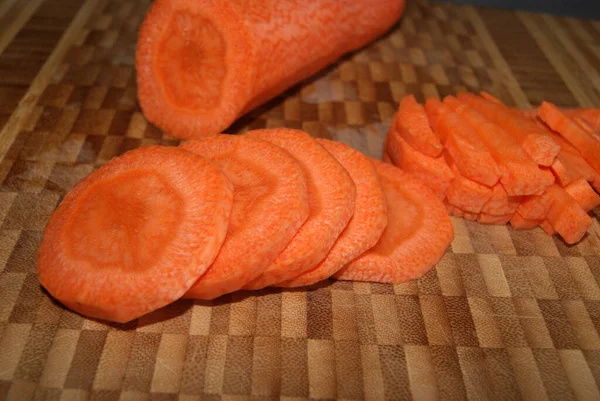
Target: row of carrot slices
224,213
500,165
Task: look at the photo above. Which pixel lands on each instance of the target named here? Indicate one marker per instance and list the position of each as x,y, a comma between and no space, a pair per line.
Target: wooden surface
506,315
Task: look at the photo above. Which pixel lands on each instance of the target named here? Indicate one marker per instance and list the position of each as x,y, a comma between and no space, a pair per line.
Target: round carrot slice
270,204
416,237
365,226
135,234
331,196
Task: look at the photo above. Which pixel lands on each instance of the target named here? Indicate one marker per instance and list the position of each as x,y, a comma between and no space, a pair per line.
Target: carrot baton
203,63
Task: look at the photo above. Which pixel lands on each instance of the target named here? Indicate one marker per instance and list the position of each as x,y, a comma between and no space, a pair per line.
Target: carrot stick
518,222
520,175
413,126
434,172
538,145
471,156
583,194
485,218
500,203
466,194
572,132
566,216
203,63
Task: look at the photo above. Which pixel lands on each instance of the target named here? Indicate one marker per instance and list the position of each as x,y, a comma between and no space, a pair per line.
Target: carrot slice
500,203
538,145
583,194
566,216
590,116
520,175
466,194
453,210
485,218
135,234
268,209
365,226
331,196
535,207
519,222
202,63
432,171
418,232
490,97
413,126
564,175
572,132
464,145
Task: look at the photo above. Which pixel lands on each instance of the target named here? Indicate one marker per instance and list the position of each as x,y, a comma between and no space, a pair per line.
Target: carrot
590,116
583,194
413,126
518,222
572,132
202,63
331,196
520,175
500,204
535,207
453,210
434,172
547,227
367,223
134,235
466,194
490,97
566,217
538,145
464,145
484,218
386,157
564,173
268,209
417,235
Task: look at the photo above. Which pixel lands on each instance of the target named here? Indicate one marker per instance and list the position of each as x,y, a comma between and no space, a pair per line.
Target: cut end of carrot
518,222
412,124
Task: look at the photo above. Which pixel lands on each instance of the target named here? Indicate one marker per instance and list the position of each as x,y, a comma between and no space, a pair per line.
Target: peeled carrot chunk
203,63
135,234
583,194
471,156
500,203
566,216
466,194
365,226
417,235
268,209
538,145
413,126
518,222
572,132
520,175
590,116
535,207
453,210
434,172
547,227
485,218
331,197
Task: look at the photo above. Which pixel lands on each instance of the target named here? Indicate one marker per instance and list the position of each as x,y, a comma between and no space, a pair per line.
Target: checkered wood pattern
505,315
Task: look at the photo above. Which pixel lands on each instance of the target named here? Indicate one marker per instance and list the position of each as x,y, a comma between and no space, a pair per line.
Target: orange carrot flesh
484,218
135,234
500,203
367,224
538,145
572,132
566,216
417,235
471,156
202,63
518,222
520,175
490,97
589,115
453,210
268,209
547,227
434,172
535,207
413,126
563,172
468,195
331,196
583,194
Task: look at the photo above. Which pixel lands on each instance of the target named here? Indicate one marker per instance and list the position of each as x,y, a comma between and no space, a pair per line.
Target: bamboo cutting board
506,315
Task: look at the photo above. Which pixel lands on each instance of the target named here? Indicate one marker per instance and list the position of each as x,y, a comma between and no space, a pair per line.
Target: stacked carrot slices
498,165
215,215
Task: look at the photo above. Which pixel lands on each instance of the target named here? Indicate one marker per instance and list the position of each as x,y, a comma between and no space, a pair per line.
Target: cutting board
505,315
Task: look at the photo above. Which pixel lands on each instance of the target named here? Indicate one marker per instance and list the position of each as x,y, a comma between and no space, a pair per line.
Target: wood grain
505,315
